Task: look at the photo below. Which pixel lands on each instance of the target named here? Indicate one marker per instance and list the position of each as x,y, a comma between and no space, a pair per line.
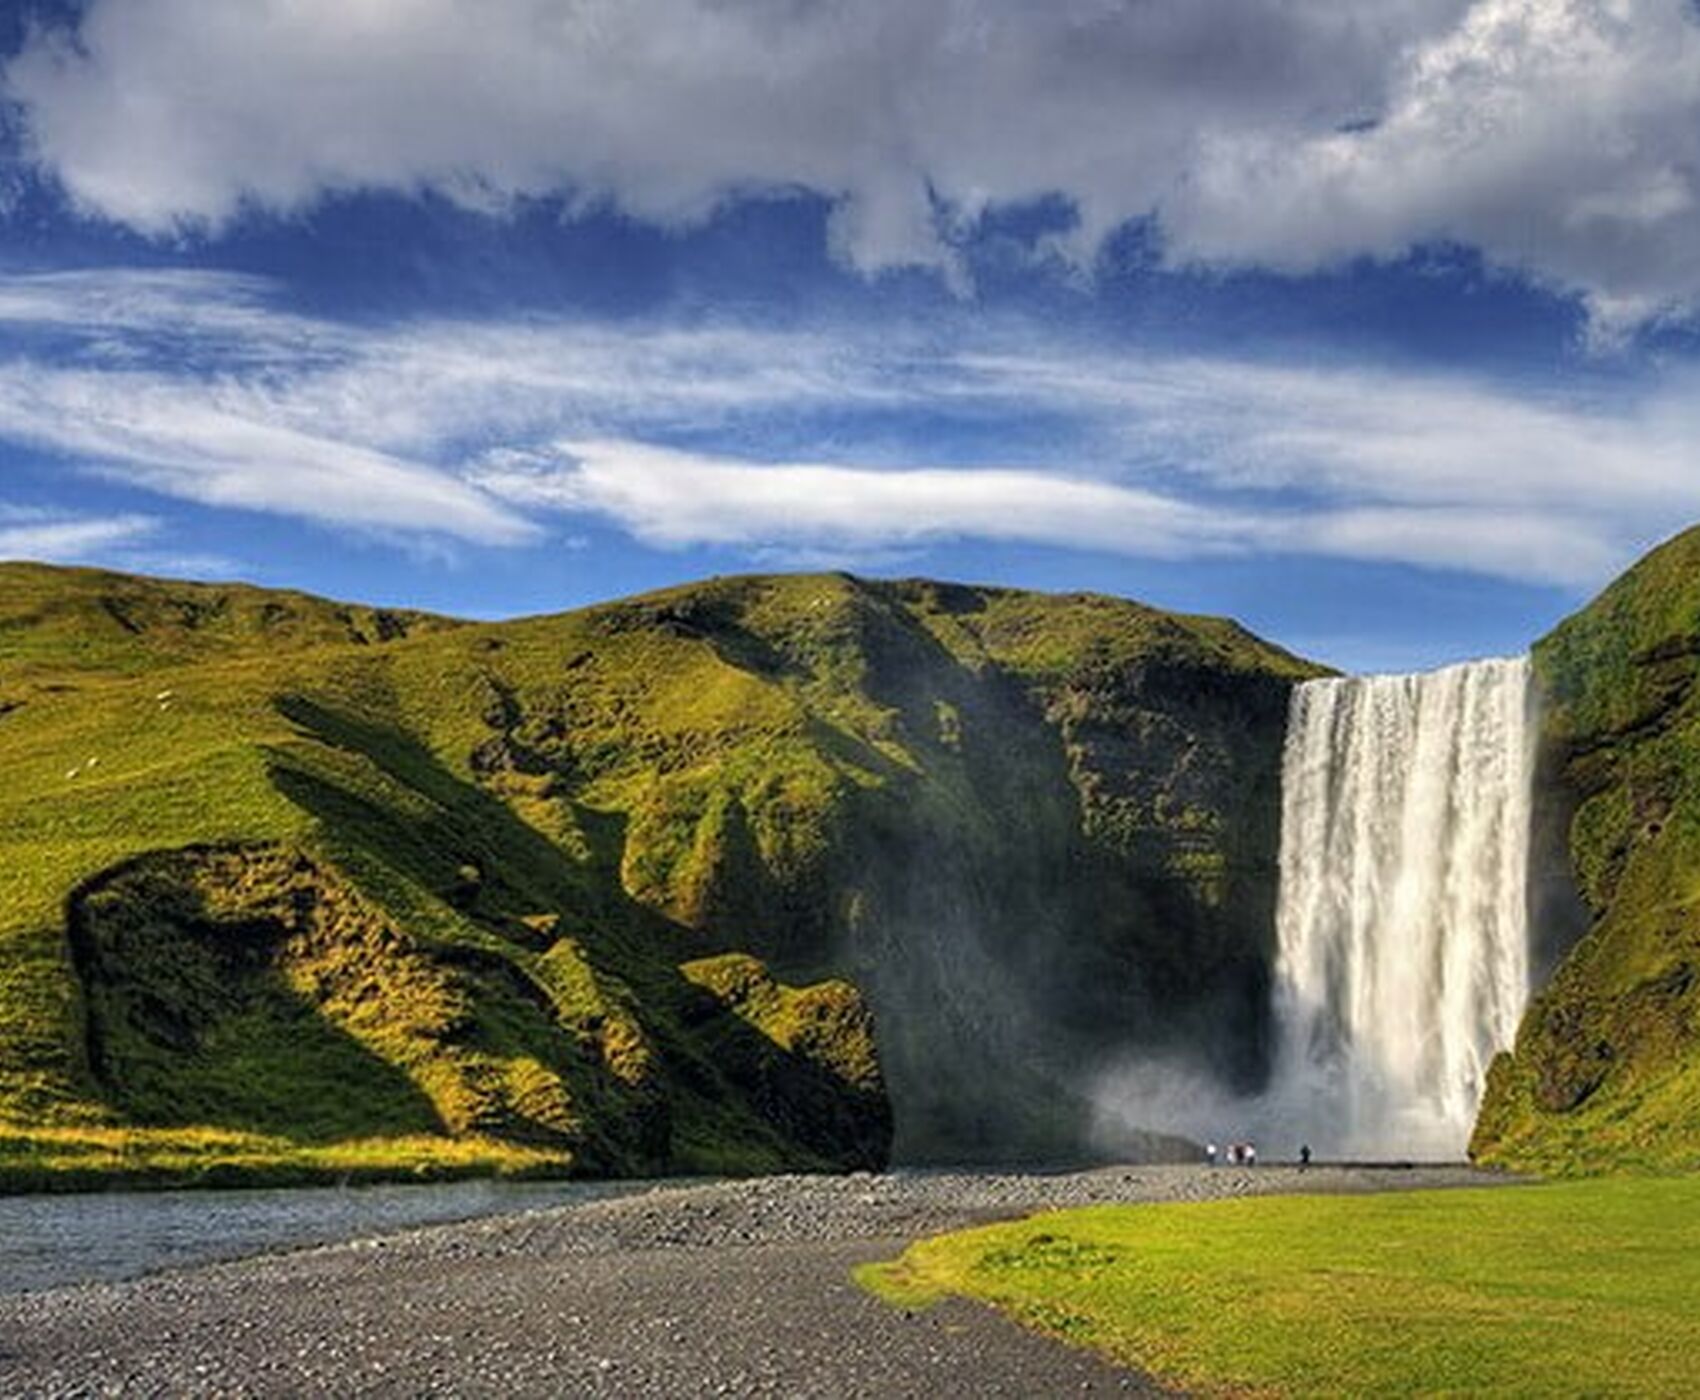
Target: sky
1371,325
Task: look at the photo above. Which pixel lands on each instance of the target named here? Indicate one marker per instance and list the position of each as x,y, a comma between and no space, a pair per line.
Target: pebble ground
735,1288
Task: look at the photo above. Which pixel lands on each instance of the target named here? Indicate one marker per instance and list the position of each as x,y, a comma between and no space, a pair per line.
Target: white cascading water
1403,926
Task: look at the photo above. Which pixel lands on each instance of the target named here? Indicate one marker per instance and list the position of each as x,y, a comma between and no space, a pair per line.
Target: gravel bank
731,1288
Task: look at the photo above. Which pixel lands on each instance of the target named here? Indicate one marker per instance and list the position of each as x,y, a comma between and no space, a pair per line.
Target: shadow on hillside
721,1084
191,1018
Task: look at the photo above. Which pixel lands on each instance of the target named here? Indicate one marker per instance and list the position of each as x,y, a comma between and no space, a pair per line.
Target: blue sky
1371,325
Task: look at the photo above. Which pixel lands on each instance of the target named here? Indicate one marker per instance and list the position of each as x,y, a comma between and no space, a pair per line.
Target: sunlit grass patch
1580,1288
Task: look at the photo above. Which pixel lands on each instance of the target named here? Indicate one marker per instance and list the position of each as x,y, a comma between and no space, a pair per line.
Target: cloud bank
502,434
1561,138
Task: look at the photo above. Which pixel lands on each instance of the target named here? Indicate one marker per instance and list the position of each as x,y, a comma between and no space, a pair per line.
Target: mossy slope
511,881
1606,1071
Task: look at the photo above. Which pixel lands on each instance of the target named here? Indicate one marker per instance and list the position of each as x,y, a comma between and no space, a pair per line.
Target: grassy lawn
1581,1288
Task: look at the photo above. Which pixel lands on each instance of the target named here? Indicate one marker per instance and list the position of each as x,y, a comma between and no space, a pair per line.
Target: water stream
52,1241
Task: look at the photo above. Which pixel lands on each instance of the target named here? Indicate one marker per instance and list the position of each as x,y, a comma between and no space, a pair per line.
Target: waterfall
1402,926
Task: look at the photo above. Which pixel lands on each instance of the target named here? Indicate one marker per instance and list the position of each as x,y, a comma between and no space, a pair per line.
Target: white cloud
221,444
671,498
161,111
1421,439
1559,137
68,539
438,429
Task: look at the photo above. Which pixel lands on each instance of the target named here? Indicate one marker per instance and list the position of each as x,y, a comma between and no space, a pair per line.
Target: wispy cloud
671,499
1559,137
702,435
68,539
222,444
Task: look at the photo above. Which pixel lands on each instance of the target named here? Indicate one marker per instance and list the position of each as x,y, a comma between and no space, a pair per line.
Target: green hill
294,886
1606,1072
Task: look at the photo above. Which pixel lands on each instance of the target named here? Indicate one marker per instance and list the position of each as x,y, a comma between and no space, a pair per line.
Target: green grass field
1580,1288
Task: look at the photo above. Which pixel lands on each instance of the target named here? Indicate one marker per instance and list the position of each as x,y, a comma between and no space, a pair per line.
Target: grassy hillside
1606,1072
294,874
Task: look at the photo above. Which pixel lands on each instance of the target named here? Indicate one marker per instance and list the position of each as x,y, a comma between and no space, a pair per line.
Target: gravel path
736,1288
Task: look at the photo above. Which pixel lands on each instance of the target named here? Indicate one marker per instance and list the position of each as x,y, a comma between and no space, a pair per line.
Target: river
54,1240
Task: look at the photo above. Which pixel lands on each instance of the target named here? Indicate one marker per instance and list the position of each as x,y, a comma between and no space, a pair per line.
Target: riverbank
93,1158
733,1287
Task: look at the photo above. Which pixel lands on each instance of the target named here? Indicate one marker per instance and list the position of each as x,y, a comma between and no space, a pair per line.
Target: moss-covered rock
811,1063
1606,1069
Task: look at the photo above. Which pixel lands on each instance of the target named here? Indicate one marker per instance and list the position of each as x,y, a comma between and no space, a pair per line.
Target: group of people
1244,1154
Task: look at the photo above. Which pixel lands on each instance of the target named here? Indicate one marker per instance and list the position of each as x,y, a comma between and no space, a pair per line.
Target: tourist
1251,1154
1210,1153
1304,1156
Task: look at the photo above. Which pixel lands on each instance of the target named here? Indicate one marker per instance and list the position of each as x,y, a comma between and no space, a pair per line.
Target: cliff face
1606,1070
609,882
1035,830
